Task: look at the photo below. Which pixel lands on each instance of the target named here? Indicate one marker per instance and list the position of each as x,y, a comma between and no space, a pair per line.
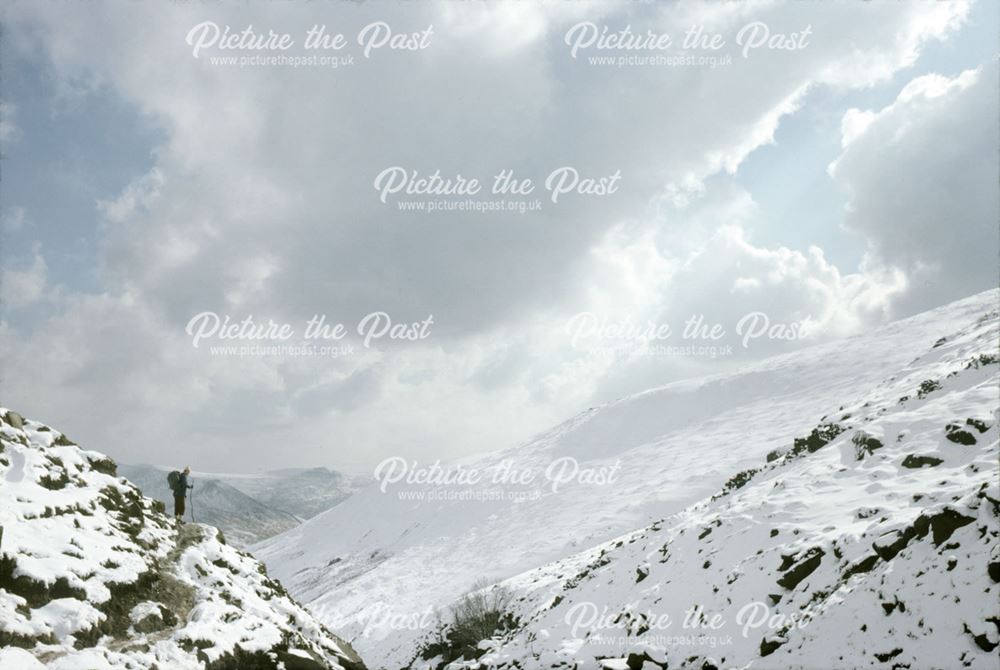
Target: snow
143,610
12,658
863,530
672,447
797,561
64,616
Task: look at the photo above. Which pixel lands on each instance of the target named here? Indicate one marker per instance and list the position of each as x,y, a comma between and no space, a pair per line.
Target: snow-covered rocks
869,541
94,575
380,560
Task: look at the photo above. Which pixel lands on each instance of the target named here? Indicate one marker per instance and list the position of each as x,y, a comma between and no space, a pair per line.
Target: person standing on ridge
180,493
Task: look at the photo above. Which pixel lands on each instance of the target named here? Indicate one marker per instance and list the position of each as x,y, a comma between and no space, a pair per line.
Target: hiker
180,493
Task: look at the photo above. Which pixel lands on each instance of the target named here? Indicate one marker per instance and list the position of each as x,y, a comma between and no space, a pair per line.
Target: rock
770,643
14,420
927,387
865,445
941,524
819,437
740,479
916,462
955,433
946,522
861,566
638,661
889,655
984,642
889,544
981,426
802,568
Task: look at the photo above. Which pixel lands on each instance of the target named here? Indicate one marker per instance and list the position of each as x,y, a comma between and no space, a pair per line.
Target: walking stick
192,504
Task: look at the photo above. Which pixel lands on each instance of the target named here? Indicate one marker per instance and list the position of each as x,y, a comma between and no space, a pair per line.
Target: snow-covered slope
243,519
870,541
370,563
93,575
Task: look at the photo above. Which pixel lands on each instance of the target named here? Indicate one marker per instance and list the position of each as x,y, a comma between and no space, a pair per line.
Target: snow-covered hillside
94,575
241,518
869,541
367,566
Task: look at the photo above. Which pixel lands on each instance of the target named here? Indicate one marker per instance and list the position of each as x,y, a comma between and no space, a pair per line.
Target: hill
95,575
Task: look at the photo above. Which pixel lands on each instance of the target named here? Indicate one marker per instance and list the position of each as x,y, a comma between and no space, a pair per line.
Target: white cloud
261,202
921,175
854,124
21,288
13,220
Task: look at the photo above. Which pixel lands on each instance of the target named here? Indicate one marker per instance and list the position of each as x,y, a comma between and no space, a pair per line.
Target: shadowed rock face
102,577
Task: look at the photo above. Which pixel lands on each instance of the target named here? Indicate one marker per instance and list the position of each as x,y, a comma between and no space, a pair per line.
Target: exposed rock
803,567
913,461
955,433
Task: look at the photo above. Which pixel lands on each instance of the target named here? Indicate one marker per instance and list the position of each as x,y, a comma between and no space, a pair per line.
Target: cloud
261,202
9,131
721,277
13,220
21,288
306,161
921,175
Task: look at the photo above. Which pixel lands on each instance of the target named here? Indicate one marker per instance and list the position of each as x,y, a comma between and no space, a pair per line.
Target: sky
802,193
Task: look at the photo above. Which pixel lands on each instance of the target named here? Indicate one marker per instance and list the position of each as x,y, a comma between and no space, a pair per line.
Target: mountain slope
94,575
304,492
243,519
869,541
371,562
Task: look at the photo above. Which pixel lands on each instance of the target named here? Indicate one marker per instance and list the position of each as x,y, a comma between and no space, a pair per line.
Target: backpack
173,479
